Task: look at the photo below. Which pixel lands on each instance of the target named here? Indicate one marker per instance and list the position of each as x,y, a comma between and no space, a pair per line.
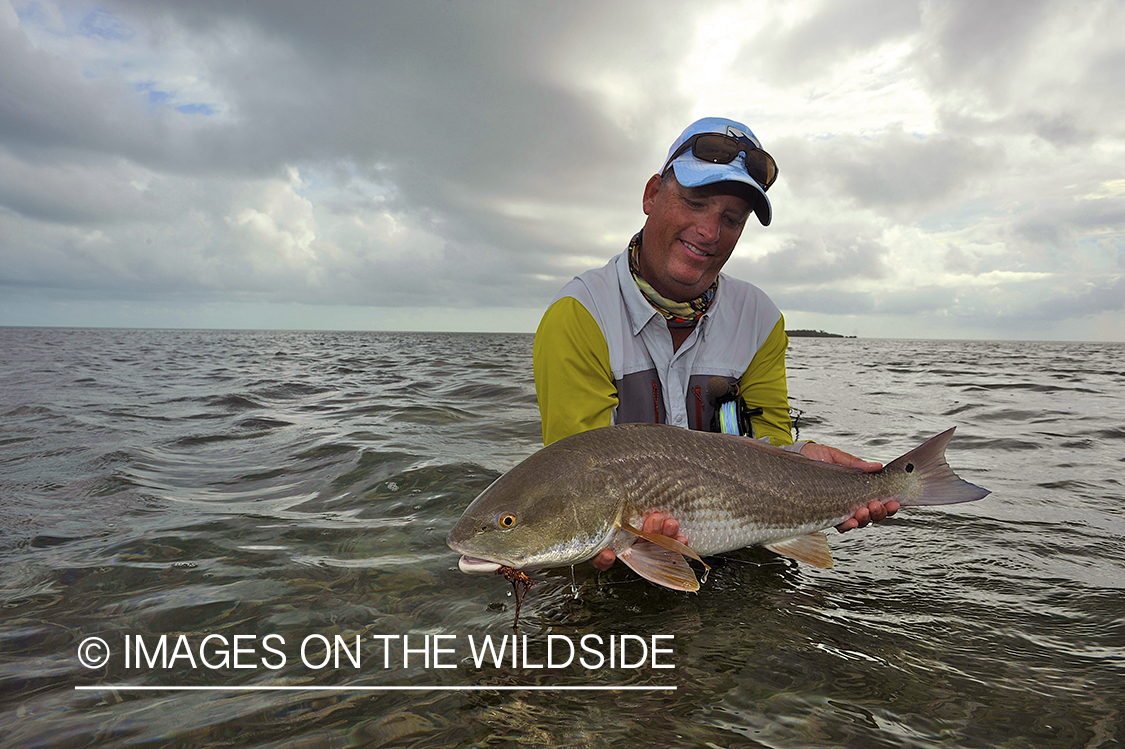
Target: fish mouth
476,566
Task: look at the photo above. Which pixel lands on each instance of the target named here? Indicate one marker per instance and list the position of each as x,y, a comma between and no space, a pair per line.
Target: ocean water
270,508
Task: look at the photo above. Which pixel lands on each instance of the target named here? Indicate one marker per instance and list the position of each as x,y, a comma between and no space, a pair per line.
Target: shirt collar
639,311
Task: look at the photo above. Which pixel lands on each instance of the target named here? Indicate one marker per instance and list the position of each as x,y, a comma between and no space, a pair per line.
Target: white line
269,688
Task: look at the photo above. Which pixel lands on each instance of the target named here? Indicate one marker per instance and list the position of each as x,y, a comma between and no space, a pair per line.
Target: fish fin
811,549
940,485
660,565
666,541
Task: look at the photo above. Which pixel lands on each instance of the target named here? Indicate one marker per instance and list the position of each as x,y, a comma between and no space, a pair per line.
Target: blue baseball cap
692,170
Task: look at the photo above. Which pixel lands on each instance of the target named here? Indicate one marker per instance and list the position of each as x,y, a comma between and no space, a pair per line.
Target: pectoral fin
811,549
666,541
661,565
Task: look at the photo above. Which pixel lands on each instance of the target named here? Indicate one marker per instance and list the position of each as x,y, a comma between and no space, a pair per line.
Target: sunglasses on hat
718,148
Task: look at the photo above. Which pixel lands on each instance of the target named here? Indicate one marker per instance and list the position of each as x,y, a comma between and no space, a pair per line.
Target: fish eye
507,520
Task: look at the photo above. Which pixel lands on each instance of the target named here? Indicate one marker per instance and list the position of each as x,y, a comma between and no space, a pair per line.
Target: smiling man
647,337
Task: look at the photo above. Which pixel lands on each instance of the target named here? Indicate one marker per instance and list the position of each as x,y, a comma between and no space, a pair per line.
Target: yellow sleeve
763,385
573,378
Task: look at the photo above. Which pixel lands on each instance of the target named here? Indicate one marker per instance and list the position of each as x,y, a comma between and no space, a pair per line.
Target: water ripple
243,483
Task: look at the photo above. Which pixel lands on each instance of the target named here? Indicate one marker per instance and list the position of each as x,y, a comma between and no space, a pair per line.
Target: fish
592,490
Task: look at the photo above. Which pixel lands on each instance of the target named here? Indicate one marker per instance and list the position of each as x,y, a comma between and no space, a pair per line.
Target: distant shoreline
814,334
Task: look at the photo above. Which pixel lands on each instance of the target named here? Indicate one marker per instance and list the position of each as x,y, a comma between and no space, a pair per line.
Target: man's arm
575,388
763,385
573,379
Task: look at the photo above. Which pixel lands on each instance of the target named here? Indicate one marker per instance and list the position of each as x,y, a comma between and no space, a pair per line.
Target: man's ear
651,189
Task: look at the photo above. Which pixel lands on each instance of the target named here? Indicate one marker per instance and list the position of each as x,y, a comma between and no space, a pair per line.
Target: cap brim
691,172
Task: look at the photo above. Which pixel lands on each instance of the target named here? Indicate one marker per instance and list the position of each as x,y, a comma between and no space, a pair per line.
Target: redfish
590,491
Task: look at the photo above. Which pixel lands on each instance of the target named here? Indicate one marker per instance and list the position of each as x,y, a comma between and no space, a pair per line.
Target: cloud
835,254
1026,68
473,156
1088,299
891,171
798,42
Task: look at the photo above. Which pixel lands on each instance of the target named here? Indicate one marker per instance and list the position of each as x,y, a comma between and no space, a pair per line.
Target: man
641,339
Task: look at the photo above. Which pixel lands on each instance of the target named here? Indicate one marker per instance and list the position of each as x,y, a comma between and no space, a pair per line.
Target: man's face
689,235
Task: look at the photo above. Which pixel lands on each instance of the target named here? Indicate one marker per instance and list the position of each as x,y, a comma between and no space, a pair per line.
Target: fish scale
590,491
719,509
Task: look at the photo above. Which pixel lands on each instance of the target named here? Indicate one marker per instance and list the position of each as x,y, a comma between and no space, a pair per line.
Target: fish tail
940,485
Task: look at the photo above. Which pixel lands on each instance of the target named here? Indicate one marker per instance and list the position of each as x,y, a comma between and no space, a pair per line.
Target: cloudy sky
948,169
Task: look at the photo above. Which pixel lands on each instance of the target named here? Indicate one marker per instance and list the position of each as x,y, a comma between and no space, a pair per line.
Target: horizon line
361,688
852,336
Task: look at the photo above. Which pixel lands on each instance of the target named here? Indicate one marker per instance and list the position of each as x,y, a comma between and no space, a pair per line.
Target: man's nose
709,226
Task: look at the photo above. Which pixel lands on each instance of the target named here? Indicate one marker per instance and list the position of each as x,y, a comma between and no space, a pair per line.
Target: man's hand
873,513
832,455
654,523
875,510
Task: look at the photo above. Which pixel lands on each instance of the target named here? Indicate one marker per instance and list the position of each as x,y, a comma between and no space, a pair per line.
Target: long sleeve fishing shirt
603,355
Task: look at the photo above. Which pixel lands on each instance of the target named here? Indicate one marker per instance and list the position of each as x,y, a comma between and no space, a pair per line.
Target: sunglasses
723,149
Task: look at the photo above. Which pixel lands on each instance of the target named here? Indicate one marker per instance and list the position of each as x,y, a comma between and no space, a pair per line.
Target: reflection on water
237,485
